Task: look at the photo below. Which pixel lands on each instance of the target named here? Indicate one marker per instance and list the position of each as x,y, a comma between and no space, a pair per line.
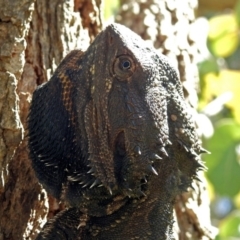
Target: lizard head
113,116
137,119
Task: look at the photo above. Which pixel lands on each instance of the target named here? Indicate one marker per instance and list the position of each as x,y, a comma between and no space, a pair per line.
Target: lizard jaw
133,165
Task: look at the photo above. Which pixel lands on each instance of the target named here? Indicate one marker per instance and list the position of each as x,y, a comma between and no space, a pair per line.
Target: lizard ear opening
123,67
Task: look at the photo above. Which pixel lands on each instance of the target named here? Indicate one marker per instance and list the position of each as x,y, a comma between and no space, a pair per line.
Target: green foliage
110,7
208,66
237,12
223,37
229,227
220,73
223,166
216,84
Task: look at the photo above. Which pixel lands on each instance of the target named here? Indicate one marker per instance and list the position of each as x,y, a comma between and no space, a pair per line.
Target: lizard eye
126,64
123,67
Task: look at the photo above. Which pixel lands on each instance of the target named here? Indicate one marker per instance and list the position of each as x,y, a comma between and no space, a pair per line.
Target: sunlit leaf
223,166
237,12
237,200
208,65
230,226
225,81
233,61
223,35
210,190
110,8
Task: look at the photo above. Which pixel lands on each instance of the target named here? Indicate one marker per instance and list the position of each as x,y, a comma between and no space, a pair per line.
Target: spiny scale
197,178
75,178
137,150
88,183
91,171
202,150
155,156
141,193
200,166
151,169
163,150
95,183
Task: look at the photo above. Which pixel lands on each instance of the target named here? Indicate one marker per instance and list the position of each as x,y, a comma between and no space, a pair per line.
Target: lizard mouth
120,155
129,179
135,165
120,148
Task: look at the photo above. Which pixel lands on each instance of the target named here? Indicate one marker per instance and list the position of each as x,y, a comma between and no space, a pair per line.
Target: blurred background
219,100
219,107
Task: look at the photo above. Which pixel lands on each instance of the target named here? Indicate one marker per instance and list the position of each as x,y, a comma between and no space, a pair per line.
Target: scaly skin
111,135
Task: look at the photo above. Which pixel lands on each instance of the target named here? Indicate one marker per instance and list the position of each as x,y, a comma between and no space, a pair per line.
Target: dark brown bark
13,186
34,37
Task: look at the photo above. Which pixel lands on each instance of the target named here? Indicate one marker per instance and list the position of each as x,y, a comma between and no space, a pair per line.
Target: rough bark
14,23
171,27
34,37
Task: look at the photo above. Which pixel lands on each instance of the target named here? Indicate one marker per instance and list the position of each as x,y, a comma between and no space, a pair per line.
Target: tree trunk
34,37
